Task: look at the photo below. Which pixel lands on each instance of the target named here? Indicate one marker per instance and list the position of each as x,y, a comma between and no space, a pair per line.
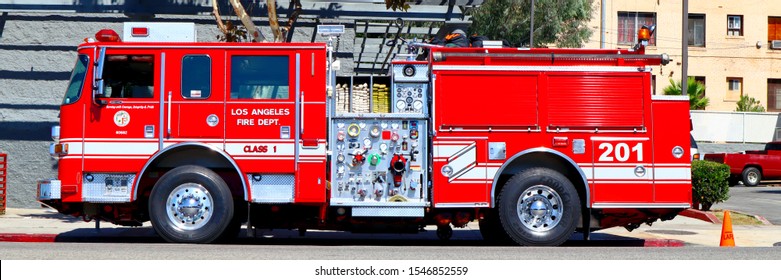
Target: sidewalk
46,225
696,232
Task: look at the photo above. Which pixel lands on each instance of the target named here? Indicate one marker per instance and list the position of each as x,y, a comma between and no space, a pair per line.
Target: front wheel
539,207
191,204
751,176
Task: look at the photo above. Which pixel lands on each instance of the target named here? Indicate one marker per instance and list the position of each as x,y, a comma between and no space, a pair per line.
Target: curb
663,243
700,215
27,237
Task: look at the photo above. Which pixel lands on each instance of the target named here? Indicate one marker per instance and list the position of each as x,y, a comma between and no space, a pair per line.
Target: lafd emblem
121,118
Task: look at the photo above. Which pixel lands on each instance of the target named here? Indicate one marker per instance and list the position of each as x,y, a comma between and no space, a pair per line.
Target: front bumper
49,190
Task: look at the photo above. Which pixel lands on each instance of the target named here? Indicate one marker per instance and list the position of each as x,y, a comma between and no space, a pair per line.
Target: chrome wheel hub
752,177
189,206
540,208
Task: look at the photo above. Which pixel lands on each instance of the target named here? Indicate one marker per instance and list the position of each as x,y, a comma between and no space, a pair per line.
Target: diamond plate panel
372,211
49,189
272,188
107,187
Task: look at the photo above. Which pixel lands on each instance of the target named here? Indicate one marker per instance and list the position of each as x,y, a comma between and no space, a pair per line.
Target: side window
196,76
129,76
77,80
259,77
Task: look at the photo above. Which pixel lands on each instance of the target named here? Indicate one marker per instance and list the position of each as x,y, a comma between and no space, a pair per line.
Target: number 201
622,151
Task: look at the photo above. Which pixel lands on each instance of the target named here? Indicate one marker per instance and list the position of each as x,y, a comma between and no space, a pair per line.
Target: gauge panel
410,98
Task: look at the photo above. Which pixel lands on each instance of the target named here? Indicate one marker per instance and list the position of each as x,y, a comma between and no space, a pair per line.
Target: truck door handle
169,114
302,112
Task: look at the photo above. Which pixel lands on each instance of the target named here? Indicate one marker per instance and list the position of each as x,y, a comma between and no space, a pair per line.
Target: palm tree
696,91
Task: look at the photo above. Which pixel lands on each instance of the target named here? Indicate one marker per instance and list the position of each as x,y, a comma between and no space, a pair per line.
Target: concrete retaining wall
734,127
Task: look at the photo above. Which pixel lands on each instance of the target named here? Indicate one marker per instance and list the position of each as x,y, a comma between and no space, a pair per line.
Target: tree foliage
559,22
709,183
397,5
748,104
233,33
695,90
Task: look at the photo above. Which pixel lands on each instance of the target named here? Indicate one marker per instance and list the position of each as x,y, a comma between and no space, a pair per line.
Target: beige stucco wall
722,57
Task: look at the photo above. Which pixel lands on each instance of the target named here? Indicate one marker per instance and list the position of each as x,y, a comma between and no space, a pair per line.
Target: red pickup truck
752,166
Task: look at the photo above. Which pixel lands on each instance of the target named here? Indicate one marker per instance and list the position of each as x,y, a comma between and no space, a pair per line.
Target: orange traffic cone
727,238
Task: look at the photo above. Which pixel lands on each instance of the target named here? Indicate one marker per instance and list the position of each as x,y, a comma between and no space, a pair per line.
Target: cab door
275,123
194,98
122,121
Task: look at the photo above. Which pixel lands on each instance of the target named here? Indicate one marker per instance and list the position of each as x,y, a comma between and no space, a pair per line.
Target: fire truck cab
200,138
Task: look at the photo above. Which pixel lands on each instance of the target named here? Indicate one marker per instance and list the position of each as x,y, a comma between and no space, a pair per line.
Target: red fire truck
200,138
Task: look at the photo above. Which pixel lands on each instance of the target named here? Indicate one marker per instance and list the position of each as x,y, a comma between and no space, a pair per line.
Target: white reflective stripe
673,173
490,172
673,182
102,148
672,165
635,182
633,69
670,97
633,165
466,160
463,151
74,148
588,171
471,182
117,157
641,205
628,172
601,173
474,173
447,150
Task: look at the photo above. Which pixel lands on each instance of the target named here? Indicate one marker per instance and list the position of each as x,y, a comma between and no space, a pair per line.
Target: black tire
556,202
174,213
751,176
491,229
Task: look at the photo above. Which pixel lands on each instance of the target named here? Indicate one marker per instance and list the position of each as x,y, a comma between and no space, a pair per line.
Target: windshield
773,146
77,80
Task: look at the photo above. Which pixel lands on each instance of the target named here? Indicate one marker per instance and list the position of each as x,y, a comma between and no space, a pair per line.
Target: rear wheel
191,204
751,176
539,207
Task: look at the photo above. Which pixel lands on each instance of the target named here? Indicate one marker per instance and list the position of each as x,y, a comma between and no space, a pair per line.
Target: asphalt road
764,201
380,250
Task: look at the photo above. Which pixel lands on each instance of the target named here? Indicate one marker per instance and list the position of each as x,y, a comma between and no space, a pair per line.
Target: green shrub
709,183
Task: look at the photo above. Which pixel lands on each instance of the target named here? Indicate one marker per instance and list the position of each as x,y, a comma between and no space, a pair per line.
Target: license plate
116,186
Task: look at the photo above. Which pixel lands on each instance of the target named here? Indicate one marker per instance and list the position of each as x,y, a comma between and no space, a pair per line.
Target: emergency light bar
159,32
107,35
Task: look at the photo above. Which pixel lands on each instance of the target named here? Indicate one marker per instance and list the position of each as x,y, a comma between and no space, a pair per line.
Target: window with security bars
630,22
774,95
697,30
773,28
734,89
735,25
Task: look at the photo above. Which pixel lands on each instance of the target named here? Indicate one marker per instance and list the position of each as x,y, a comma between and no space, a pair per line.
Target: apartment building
734,45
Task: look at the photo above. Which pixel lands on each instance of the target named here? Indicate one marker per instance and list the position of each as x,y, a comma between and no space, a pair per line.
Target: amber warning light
107,35
644,34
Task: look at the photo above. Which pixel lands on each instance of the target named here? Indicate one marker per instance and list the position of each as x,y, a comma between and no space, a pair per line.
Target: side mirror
97,84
